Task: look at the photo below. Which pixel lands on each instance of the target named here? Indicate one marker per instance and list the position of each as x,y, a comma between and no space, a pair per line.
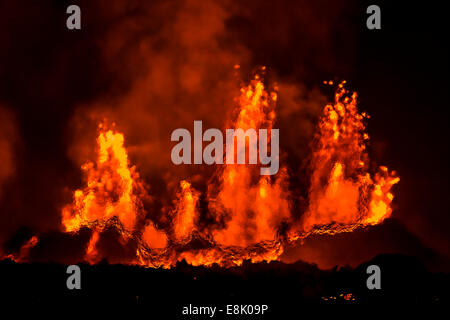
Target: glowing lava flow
250,210
22,255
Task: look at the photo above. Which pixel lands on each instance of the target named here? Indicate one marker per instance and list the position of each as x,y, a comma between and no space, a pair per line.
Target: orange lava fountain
250,209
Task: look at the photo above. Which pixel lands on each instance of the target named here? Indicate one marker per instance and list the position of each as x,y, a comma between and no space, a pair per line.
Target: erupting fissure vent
253,219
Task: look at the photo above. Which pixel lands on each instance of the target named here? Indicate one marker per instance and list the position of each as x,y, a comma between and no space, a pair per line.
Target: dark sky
52,80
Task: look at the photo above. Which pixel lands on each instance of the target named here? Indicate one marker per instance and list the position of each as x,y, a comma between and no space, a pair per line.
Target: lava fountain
253,217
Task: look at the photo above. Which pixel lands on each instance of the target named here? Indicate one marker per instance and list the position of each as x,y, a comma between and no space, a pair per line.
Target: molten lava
252,213
253,206
112,191
342,194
